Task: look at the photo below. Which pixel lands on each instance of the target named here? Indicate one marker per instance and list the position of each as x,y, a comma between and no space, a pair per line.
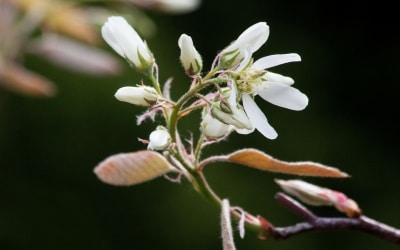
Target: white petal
232,97
246,58
274,77
257,117
284,96
124,36
256,35
253,38
244,131
108,36
275,60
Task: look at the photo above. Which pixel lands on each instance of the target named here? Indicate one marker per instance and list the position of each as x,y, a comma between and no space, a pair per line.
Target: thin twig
315,223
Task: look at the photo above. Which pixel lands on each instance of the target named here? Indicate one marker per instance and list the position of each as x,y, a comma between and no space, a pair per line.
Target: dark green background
50,198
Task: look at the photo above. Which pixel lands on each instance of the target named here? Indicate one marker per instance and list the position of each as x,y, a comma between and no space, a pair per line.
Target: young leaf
317,196
20,80
257,159
132,168
226,226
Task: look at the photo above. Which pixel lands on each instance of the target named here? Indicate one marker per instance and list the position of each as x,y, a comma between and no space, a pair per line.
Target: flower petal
244,131
275,60
109,37
255,36
252,39
257,117
283,96
232,97
246,58
274,77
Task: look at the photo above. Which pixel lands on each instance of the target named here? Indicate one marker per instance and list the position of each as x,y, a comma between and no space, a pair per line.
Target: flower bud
190,58
231,115
212,128
141,96
159,139
127,43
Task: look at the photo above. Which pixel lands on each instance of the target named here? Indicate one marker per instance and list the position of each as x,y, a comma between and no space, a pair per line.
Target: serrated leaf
260,160
132,168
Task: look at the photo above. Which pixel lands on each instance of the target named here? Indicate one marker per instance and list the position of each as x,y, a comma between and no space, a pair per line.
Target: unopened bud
127,43
159,139
141,96
190,58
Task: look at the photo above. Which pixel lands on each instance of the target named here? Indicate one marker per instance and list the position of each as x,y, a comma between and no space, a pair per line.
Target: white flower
159,139
141,96
274,88
246,44
126,42
190,58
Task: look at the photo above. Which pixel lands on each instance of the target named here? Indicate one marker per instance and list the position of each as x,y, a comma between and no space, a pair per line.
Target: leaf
257,159
317,196
22,81
226,226
74,55
126,169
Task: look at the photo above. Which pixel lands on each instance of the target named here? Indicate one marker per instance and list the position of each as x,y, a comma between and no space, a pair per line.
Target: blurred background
53,134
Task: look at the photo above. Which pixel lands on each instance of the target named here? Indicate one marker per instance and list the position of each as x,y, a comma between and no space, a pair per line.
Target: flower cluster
237,76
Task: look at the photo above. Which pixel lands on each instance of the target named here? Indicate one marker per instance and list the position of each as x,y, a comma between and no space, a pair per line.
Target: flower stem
201,185
155,83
